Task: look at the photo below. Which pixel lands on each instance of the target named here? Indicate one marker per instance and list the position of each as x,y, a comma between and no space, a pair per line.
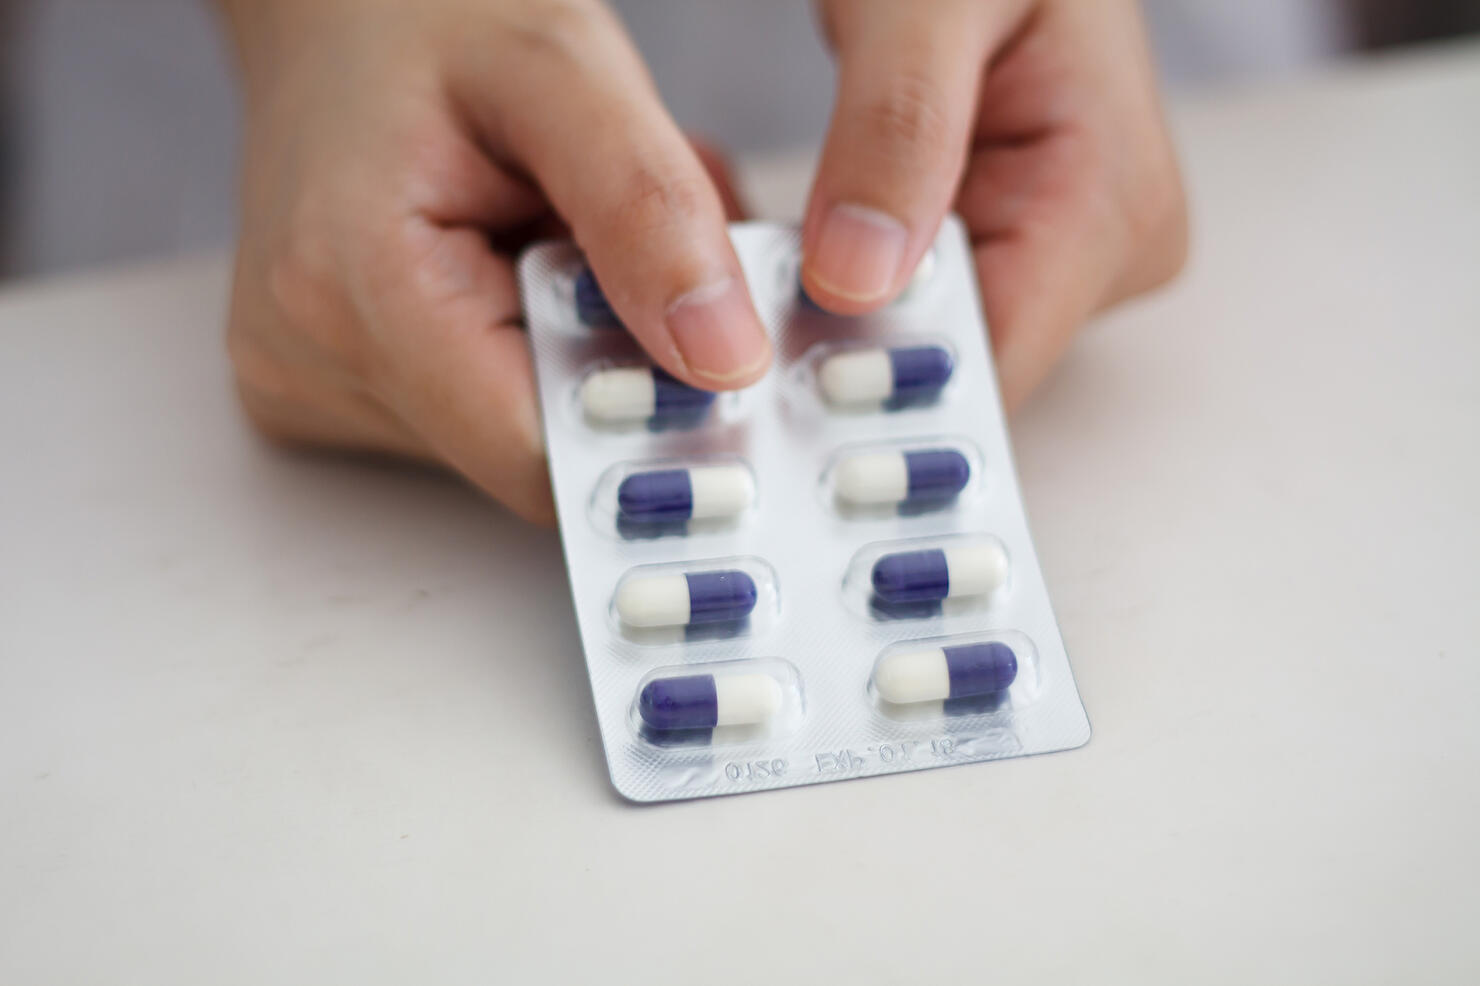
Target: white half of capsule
916,676
858,376
975,569
746,699
654,601
872,478
720,491
620,394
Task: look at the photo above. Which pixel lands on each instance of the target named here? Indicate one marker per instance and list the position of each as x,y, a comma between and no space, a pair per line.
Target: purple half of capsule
980,669
806,300
592,307
919,372
685,702
935,474
912,577
674,399
721,596
660,495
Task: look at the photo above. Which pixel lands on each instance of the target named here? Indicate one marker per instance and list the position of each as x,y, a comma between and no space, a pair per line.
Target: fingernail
718,333
859,252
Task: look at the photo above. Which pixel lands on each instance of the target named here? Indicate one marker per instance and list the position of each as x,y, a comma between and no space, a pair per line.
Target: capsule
686,600
922,476
592,307
903,374
697,493
707,701
945,673
936,574
632,394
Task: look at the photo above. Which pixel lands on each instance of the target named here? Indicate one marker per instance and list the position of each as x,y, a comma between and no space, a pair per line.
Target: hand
397,154
1037,120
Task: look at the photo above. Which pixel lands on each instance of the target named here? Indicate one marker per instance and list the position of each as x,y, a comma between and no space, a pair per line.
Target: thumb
896,147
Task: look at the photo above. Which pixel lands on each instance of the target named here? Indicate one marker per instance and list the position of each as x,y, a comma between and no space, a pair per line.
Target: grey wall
121,131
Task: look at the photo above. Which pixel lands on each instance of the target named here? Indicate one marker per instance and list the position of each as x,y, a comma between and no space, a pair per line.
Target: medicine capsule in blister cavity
592,307
921,477
634,394
937,574
896,376
707,701
689,599
941,673
695,493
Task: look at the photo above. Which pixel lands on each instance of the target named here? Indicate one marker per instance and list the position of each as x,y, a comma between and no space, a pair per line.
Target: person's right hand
1038,122
396,155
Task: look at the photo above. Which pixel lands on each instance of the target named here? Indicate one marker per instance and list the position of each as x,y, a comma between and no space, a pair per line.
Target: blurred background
118,117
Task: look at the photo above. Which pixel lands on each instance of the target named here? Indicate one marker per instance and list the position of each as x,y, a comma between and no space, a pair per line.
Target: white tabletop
267,717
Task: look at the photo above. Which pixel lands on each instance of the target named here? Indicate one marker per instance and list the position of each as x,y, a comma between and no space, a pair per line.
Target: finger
1053,247
450,362
615,166
1006,182
1069,217
451,181
907,86
1041,280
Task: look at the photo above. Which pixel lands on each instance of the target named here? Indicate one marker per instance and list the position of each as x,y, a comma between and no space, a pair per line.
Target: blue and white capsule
689,599
900,374
941,673
592,308
633,394
696,493
911,478
708,701
938,574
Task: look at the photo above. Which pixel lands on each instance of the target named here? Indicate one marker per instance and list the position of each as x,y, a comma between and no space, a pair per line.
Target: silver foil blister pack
826,575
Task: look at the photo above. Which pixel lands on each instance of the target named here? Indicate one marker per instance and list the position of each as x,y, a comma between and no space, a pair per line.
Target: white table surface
266,717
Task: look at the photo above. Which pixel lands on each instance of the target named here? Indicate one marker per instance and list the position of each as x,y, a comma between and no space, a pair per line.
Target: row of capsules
665,603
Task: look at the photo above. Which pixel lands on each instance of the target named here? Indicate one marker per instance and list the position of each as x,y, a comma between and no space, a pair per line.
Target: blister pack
826,575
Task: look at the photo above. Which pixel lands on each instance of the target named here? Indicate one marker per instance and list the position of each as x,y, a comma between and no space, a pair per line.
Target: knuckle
259,375
304,294
296,272
276,393
910,116
263,390
558,30
1159,220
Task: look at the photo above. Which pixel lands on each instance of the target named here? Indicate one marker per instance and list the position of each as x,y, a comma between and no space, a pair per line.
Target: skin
399,154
